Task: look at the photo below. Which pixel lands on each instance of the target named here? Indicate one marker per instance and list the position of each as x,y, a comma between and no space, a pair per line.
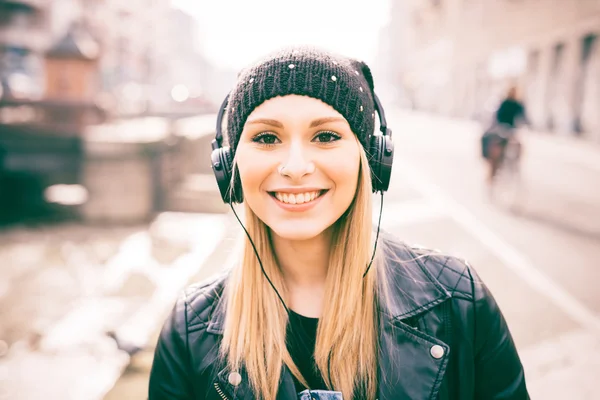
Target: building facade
146,48
22,24
462,55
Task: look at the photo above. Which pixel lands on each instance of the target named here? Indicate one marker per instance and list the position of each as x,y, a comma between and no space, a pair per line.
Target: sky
234,33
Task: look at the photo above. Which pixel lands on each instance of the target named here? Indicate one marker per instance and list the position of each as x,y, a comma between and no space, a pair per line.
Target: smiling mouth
298,198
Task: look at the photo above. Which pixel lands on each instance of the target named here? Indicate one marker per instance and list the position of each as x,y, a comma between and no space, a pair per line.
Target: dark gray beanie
344,84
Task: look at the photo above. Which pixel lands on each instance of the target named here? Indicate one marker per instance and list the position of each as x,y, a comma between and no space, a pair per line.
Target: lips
297,198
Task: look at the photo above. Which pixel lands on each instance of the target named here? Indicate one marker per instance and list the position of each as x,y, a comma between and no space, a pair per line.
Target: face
298,162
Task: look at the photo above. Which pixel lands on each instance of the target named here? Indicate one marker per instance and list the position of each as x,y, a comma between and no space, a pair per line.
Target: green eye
327,137
265,138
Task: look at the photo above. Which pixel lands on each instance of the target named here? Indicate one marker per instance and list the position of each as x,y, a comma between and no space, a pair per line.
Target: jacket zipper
220,392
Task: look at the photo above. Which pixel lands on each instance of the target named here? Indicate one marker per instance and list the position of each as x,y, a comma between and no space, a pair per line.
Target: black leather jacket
443,337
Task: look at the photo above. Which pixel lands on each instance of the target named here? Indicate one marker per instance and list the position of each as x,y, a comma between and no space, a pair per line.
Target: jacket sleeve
170,373
498,370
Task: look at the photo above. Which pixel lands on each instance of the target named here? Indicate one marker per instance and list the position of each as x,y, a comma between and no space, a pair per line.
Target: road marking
406,212
511,258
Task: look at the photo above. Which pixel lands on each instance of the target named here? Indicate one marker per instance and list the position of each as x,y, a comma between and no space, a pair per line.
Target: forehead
294,107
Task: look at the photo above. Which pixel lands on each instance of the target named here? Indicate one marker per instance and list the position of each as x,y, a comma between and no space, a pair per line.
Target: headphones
380,152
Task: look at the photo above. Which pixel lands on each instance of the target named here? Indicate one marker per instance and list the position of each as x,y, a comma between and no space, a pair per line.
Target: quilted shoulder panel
200,299
454,274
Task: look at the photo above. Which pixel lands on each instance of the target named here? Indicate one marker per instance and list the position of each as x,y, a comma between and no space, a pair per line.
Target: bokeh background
108,205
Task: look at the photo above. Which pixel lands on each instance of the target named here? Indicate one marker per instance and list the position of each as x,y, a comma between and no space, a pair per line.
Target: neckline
303,317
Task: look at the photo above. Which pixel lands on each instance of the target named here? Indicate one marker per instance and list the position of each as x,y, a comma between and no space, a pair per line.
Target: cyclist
509,115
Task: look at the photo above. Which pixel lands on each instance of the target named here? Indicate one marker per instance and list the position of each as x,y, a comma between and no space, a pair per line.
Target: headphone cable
258,258
263,268
273,286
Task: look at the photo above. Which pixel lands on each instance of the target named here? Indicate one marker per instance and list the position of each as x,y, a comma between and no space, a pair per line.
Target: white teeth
298,198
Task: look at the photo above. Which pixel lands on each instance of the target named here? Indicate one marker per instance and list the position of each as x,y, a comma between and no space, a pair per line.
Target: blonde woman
320,306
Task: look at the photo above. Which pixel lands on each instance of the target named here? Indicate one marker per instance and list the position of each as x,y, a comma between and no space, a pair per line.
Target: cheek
252,171
343,171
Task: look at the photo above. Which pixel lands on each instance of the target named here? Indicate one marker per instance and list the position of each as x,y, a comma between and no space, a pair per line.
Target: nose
298,162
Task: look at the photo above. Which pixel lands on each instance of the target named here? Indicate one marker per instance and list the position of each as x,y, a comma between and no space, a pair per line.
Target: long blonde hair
347,336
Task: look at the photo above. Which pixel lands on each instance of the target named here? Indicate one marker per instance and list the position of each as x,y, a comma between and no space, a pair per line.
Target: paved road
540,263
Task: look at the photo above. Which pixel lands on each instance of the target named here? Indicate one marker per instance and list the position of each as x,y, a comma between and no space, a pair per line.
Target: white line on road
514,260
407,212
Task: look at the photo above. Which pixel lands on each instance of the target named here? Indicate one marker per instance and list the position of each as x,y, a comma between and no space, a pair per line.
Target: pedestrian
320,305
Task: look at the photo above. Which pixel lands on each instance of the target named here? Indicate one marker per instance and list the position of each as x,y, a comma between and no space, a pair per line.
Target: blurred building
390,61
22,24
459,56
71,67
148,58
133,38
152,58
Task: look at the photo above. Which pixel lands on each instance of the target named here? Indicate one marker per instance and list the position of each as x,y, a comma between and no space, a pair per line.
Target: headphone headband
217,142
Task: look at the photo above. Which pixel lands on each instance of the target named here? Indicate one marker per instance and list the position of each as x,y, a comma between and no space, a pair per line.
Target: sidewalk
79,296
572,149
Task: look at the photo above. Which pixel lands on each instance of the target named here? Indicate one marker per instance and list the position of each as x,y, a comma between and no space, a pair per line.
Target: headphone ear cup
222,162
381,162
376,149
219,168
385,162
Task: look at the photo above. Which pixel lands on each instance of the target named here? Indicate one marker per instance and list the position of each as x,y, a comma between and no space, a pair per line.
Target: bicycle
506,185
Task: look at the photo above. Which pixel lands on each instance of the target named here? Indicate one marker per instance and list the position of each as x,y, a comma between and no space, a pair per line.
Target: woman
307,313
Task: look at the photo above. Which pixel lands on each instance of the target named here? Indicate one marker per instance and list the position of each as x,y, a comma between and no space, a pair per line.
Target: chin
297,230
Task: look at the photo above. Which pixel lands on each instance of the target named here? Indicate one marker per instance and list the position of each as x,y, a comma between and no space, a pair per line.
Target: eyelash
261,136
333,135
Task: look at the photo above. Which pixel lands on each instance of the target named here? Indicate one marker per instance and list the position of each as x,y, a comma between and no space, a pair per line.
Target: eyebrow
322,121
271,122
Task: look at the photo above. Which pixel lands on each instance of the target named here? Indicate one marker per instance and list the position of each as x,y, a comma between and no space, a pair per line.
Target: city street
109,207
539,259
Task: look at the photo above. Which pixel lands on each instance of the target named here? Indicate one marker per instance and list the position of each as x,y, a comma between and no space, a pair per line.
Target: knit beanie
345,84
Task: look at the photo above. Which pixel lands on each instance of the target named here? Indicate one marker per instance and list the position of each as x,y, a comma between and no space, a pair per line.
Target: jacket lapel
410,367
239,390
407,369
242,391
287,389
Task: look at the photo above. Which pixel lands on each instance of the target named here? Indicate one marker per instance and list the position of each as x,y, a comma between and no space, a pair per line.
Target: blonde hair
347,336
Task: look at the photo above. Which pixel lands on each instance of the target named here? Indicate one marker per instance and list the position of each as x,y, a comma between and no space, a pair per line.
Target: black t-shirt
301,339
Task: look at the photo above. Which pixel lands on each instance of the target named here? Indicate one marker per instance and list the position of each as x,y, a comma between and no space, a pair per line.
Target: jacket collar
411,288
